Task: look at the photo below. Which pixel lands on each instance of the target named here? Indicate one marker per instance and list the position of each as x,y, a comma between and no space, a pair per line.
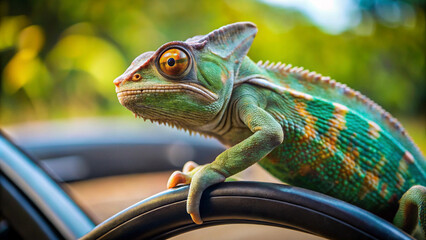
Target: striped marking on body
374,130
406,159
302,95
337,124
370,183
349,165
309,129
371,180
403,165
277,88
329,139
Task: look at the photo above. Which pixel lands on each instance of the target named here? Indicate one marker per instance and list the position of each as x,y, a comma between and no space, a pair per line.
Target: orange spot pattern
373,130
371,182
349,165
309,129
337,124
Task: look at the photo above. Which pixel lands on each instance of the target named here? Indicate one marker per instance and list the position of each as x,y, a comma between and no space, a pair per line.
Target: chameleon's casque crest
228,41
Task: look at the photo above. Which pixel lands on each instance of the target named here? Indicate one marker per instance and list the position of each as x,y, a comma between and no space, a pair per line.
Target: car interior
105,179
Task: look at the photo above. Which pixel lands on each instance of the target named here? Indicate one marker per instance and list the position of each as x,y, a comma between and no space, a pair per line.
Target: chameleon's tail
412,210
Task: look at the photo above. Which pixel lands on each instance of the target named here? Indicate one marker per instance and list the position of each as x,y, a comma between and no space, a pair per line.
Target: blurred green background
59,58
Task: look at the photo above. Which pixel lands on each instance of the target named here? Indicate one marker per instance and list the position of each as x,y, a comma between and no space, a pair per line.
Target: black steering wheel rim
164,215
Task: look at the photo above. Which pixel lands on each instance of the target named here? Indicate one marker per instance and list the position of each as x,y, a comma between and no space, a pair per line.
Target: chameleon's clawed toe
196,218
189,166
176,178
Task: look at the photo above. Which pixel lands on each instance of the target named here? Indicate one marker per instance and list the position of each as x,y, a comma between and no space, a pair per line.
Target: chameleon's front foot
183,177
200,178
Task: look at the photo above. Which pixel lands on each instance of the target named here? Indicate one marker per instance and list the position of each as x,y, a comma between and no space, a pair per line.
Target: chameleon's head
186,83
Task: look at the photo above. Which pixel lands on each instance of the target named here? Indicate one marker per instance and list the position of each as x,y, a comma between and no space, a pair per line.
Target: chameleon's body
305,129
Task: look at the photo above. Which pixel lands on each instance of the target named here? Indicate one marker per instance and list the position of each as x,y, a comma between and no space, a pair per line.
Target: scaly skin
305,129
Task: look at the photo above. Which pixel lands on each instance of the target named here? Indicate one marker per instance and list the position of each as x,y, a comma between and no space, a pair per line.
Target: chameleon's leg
267,134
412,209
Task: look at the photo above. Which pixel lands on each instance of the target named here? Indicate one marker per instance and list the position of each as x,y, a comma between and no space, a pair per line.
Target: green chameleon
305,129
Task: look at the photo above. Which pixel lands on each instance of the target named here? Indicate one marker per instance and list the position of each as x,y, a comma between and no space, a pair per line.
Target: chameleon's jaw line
168,88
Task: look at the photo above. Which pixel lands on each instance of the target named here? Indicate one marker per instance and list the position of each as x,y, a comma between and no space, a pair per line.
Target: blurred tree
58,58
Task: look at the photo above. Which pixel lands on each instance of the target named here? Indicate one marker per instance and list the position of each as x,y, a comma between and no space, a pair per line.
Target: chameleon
306,129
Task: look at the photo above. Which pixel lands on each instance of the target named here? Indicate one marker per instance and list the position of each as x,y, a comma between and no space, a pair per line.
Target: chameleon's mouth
180,87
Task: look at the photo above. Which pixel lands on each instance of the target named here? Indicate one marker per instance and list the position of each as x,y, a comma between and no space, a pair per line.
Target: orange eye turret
173,62
136,77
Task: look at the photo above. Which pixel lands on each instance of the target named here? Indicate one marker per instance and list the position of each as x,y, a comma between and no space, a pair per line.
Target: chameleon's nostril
117,82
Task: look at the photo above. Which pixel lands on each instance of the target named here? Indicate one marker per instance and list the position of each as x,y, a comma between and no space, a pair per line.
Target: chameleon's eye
136,77
173,62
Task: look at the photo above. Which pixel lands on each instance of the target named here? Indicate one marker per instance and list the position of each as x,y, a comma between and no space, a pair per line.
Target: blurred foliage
58,58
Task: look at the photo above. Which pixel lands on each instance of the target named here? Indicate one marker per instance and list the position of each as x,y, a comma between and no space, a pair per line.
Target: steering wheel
164,215
29,196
